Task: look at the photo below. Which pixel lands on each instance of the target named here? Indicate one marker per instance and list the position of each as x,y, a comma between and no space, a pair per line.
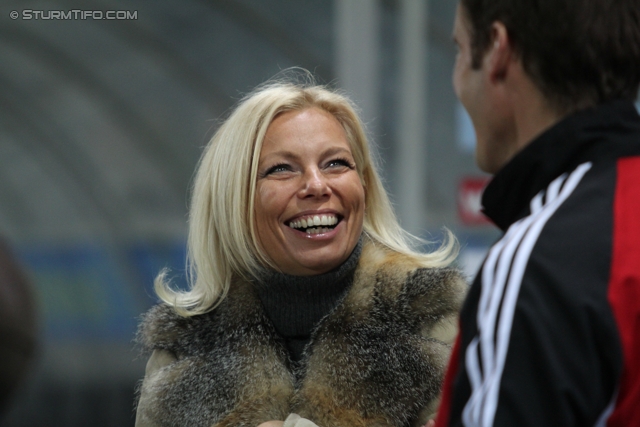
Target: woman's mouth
315,224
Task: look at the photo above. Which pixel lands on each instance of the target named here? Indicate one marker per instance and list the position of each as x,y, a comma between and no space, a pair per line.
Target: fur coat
377,359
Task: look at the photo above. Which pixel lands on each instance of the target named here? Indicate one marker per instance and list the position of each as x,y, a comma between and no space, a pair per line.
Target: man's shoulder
578,233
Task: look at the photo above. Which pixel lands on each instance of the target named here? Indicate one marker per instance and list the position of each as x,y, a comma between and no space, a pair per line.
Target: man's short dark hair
577,52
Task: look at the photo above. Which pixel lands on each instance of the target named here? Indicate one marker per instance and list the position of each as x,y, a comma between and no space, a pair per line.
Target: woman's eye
340,163
277,169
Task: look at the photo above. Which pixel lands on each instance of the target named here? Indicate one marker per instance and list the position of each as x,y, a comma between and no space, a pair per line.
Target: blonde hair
223,241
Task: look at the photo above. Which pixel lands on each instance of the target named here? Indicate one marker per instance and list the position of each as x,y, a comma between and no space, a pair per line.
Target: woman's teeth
316,224
318,230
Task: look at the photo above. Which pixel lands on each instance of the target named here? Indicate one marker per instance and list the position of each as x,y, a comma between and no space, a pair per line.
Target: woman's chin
308,253
319,260
314,267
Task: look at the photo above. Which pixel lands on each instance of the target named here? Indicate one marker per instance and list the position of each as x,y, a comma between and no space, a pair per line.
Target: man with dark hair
550,331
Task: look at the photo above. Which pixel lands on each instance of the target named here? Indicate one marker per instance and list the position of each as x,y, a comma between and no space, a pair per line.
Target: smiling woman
306,296
309,199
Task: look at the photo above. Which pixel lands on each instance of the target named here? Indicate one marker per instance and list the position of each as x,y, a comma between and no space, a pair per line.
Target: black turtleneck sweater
295,304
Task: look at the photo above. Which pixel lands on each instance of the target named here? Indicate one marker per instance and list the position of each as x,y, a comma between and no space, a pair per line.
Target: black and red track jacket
550,331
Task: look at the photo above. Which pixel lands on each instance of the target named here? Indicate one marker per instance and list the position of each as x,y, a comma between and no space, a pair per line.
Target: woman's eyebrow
336,150
281,153
290,155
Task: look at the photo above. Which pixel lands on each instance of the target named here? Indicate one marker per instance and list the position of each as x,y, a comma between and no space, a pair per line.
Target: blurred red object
470,192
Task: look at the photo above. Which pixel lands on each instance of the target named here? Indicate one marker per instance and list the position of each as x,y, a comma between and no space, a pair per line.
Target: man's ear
500,53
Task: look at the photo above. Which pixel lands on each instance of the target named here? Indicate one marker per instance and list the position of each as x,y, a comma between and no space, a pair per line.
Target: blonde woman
306,296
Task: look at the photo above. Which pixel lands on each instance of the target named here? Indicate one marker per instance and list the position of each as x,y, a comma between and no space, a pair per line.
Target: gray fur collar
373,361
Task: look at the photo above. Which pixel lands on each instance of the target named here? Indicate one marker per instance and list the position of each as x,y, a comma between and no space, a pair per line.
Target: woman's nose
314,185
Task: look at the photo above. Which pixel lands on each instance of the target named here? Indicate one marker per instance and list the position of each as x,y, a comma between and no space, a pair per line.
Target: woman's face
310,201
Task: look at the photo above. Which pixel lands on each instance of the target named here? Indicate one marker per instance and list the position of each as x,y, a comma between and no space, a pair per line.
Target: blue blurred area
83,295
90,297
149,259
84,292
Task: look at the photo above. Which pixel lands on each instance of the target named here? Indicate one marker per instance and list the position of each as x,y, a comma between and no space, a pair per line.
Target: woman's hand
430,423
272,423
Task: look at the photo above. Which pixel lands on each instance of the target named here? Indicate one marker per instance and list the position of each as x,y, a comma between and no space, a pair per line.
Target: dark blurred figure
18,326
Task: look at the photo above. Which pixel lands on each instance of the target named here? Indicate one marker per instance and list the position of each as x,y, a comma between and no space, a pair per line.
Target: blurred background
104,109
